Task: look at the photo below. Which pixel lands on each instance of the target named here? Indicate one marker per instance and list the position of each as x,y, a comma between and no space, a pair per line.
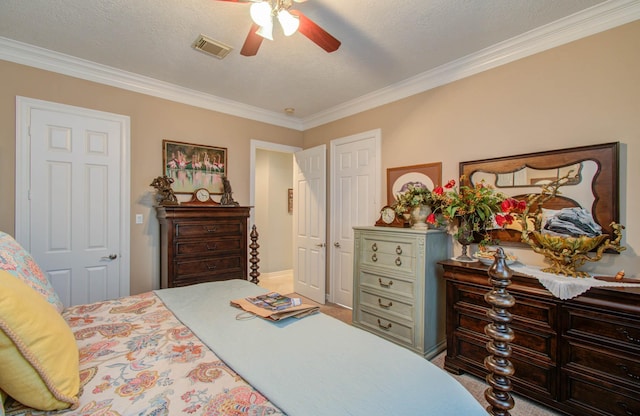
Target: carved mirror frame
597,164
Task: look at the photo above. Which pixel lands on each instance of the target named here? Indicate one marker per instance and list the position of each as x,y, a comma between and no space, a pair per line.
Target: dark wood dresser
202,244
579,356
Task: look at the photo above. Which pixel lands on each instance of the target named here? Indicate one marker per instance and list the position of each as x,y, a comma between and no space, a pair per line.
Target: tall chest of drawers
202,244
398,292
580,356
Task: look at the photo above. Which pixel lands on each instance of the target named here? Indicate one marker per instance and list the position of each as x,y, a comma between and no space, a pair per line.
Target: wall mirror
593,180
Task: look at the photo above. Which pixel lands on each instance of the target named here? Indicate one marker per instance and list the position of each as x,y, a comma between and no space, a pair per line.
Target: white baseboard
277,274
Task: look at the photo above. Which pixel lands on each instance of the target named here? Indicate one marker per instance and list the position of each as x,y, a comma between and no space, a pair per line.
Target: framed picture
193,166
429,175
290,200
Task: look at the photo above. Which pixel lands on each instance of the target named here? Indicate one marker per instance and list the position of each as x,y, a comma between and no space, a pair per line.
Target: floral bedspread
136,358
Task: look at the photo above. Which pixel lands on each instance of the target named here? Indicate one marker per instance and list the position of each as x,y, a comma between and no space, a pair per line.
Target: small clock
202,195
388,218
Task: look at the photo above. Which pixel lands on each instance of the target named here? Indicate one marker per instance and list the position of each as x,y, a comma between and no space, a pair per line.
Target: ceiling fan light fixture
261,13
289,22
266,31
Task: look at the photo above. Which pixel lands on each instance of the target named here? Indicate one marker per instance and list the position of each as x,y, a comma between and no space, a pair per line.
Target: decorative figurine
164,195
227,196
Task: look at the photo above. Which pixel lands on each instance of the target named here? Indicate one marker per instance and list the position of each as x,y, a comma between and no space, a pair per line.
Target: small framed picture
193,166
429,174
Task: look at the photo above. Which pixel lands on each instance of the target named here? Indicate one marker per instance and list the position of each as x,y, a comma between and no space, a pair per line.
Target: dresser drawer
623,367
597,399
205,229
392,307
620,332
208,266
526,311
397,247
530,376
383,284
209,246
541,344
386,326
390,262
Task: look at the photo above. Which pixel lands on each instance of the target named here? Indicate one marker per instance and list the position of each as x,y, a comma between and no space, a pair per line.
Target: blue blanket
317,365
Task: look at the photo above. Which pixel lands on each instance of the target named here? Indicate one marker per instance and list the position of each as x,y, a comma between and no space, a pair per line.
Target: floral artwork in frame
430,175
194,166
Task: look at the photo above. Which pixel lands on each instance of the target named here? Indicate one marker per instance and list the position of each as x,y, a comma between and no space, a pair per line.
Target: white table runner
565,287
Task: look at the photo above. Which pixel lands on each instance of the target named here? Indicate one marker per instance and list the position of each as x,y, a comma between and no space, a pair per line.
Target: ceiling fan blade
315,33
252,42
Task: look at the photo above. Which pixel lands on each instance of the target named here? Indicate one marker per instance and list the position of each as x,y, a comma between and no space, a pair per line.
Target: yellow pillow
39,364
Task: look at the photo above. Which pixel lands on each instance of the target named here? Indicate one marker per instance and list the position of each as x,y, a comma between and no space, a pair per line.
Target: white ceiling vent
211,47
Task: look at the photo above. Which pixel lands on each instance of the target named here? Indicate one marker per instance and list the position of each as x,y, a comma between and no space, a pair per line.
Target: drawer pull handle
398,262
214,247
374,247
385,327
212,267
387,306
374,257
625,369
388,284
624,332
625,407
398,250
210,230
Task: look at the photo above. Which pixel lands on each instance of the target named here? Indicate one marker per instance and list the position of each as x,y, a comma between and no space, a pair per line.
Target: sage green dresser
398,290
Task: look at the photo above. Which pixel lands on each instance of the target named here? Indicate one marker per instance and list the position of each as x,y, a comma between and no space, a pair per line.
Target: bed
188,351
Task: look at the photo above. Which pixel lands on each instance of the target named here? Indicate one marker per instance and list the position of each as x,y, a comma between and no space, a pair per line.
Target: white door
309,223
75,200
355,190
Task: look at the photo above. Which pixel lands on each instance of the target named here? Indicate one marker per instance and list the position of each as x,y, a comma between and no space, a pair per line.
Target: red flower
431,219
438,190
501,220
450,184
513,205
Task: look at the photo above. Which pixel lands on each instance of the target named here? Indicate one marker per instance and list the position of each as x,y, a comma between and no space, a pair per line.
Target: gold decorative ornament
165,195
565,253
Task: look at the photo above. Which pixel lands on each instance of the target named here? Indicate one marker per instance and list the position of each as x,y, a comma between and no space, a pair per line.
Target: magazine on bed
274,301
274,306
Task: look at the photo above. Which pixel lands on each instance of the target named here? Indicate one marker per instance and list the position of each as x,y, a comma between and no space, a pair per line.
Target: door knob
321,245
110,257
336,244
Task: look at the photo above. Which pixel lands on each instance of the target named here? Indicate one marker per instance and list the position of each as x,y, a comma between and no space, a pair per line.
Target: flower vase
465,237
419,216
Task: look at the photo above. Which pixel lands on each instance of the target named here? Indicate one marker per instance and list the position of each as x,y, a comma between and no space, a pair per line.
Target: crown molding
594,20
25,54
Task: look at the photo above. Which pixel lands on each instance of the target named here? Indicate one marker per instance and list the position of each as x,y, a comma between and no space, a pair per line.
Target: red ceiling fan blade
252,42
315,33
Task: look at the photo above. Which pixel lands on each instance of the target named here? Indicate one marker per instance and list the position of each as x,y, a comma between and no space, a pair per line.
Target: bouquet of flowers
473,208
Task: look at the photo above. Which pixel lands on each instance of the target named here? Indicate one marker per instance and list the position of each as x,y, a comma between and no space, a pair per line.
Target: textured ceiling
383,42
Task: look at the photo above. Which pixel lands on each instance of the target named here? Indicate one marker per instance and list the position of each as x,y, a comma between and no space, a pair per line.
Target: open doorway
271,178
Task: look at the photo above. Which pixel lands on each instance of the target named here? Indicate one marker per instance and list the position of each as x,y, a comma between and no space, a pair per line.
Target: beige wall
152,119
274,175
582,93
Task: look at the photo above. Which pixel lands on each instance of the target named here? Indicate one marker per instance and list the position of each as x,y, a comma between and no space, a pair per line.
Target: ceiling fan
263,12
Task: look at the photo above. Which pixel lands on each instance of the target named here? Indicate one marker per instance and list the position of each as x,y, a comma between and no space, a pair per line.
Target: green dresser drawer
382,304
